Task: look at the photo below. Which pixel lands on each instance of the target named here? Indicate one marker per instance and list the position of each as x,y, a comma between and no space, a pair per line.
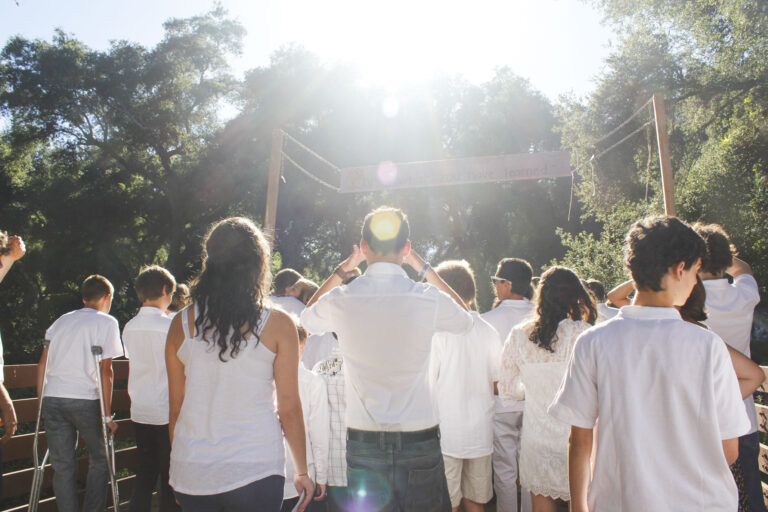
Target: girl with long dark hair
228,355
533,364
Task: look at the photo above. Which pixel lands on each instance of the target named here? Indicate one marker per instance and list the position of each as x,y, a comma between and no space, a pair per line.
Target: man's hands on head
16,247
353,260
415,261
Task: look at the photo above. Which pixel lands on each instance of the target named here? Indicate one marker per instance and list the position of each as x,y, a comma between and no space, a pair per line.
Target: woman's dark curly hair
720,251
693,309
560,295
232,284
656,243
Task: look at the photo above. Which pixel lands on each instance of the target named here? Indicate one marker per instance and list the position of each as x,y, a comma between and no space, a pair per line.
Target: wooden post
667,183
273,183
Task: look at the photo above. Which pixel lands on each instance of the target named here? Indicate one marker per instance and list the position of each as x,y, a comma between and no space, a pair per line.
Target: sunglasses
497,279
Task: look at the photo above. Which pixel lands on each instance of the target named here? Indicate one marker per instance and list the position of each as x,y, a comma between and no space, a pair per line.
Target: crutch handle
96,350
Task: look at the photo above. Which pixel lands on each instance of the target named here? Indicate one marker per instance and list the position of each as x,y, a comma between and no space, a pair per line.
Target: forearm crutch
37,476
109,442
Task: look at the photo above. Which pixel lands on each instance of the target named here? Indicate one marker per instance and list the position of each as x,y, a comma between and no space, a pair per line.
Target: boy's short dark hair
283,279
596,288
152,281
386,230
656,243
720,251
95,287
518,272
459,276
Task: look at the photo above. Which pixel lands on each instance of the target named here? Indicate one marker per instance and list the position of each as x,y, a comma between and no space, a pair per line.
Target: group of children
550,396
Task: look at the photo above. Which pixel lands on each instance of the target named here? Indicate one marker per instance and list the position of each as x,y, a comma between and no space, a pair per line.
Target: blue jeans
64,418
749,451
395,474
265,495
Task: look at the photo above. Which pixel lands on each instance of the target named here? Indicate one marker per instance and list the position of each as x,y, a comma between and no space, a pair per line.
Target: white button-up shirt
72,371
503,318
144,341
385,323
666,395
290,304
730,308
332,372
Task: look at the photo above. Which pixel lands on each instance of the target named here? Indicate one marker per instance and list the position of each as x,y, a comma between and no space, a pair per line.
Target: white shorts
469,478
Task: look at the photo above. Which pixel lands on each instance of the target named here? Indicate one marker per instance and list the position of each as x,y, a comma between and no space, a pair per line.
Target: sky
559,45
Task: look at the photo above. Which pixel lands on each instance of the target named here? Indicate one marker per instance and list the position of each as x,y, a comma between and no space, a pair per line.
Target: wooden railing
18,451
16,483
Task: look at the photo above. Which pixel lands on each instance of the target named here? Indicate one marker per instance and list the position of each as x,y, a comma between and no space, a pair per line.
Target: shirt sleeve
576,401
748,290
731,414
449,316
113,347
319,428
317,319
510,385
495,349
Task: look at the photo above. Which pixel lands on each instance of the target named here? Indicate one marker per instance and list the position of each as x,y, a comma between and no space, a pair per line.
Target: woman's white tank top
227,434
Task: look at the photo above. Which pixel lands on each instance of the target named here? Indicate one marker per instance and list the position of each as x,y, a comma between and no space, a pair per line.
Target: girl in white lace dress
533,364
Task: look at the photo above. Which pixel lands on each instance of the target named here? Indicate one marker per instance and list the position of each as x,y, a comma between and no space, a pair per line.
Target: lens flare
385,225
390,107
387,173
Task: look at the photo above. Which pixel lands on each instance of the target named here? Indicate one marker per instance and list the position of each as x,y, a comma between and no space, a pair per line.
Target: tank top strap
265,312
185,319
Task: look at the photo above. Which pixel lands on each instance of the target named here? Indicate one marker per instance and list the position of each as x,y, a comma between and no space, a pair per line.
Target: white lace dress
533,373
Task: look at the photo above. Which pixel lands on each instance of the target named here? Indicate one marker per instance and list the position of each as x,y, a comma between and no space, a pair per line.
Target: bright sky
558,45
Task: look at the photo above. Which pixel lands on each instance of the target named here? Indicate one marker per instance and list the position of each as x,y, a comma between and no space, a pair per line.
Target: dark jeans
394,474
749,451
314,506
265,495
154,458
64,418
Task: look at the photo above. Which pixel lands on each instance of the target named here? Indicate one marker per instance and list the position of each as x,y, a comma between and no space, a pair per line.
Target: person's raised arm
337,278
750,375
738,267
8,414
175,368
417,263
281,328
579,471
619,296
16,250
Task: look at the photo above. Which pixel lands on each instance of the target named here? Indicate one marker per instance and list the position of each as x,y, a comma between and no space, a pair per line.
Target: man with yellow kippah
385,322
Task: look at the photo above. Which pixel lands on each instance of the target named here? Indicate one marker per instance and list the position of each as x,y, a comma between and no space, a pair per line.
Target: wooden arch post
273,183
667,182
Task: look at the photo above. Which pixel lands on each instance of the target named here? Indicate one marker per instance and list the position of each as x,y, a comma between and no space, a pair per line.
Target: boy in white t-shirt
664,391
730,308
71,397
463,370
144,340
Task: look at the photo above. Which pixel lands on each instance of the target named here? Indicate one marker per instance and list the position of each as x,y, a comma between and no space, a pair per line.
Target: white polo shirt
72,372
289,304
504,318
730,308
605,312
385,323
666,395
463,369
144,340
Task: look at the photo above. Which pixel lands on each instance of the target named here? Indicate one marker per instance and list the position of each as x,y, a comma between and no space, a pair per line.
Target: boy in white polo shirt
144,340
730,307
71,397
664,391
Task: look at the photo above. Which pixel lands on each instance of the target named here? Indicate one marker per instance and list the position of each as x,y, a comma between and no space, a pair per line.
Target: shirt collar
89,310
650,313
151,310
515,303
719,283
383,268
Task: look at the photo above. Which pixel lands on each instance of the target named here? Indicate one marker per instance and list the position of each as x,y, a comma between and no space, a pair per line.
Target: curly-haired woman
533,364
227,355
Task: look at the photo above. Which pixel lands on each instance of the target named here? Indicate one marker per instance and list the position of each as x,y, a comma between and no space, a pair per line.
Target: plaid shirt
331,371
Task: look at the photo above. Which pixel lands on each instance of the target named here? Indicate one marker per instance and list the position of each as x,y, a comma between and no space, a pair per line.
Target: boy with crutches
70,398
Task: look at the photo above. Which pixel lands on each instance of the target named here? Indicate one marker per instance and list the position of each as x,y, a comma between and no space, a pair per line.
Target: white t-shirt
289,304
504,318
605,312
317,425
319,347
666,395
144,340
462,370
385,323
72,371
730,308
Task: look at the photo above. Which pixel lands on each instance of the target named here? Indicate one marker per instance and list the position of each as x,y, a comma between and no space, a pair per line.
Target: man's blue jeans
393,473
749,452
64,418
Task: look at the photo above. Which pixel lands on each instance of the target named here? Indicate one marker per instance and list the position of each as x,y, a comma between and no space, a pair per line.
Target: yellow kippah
385,225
